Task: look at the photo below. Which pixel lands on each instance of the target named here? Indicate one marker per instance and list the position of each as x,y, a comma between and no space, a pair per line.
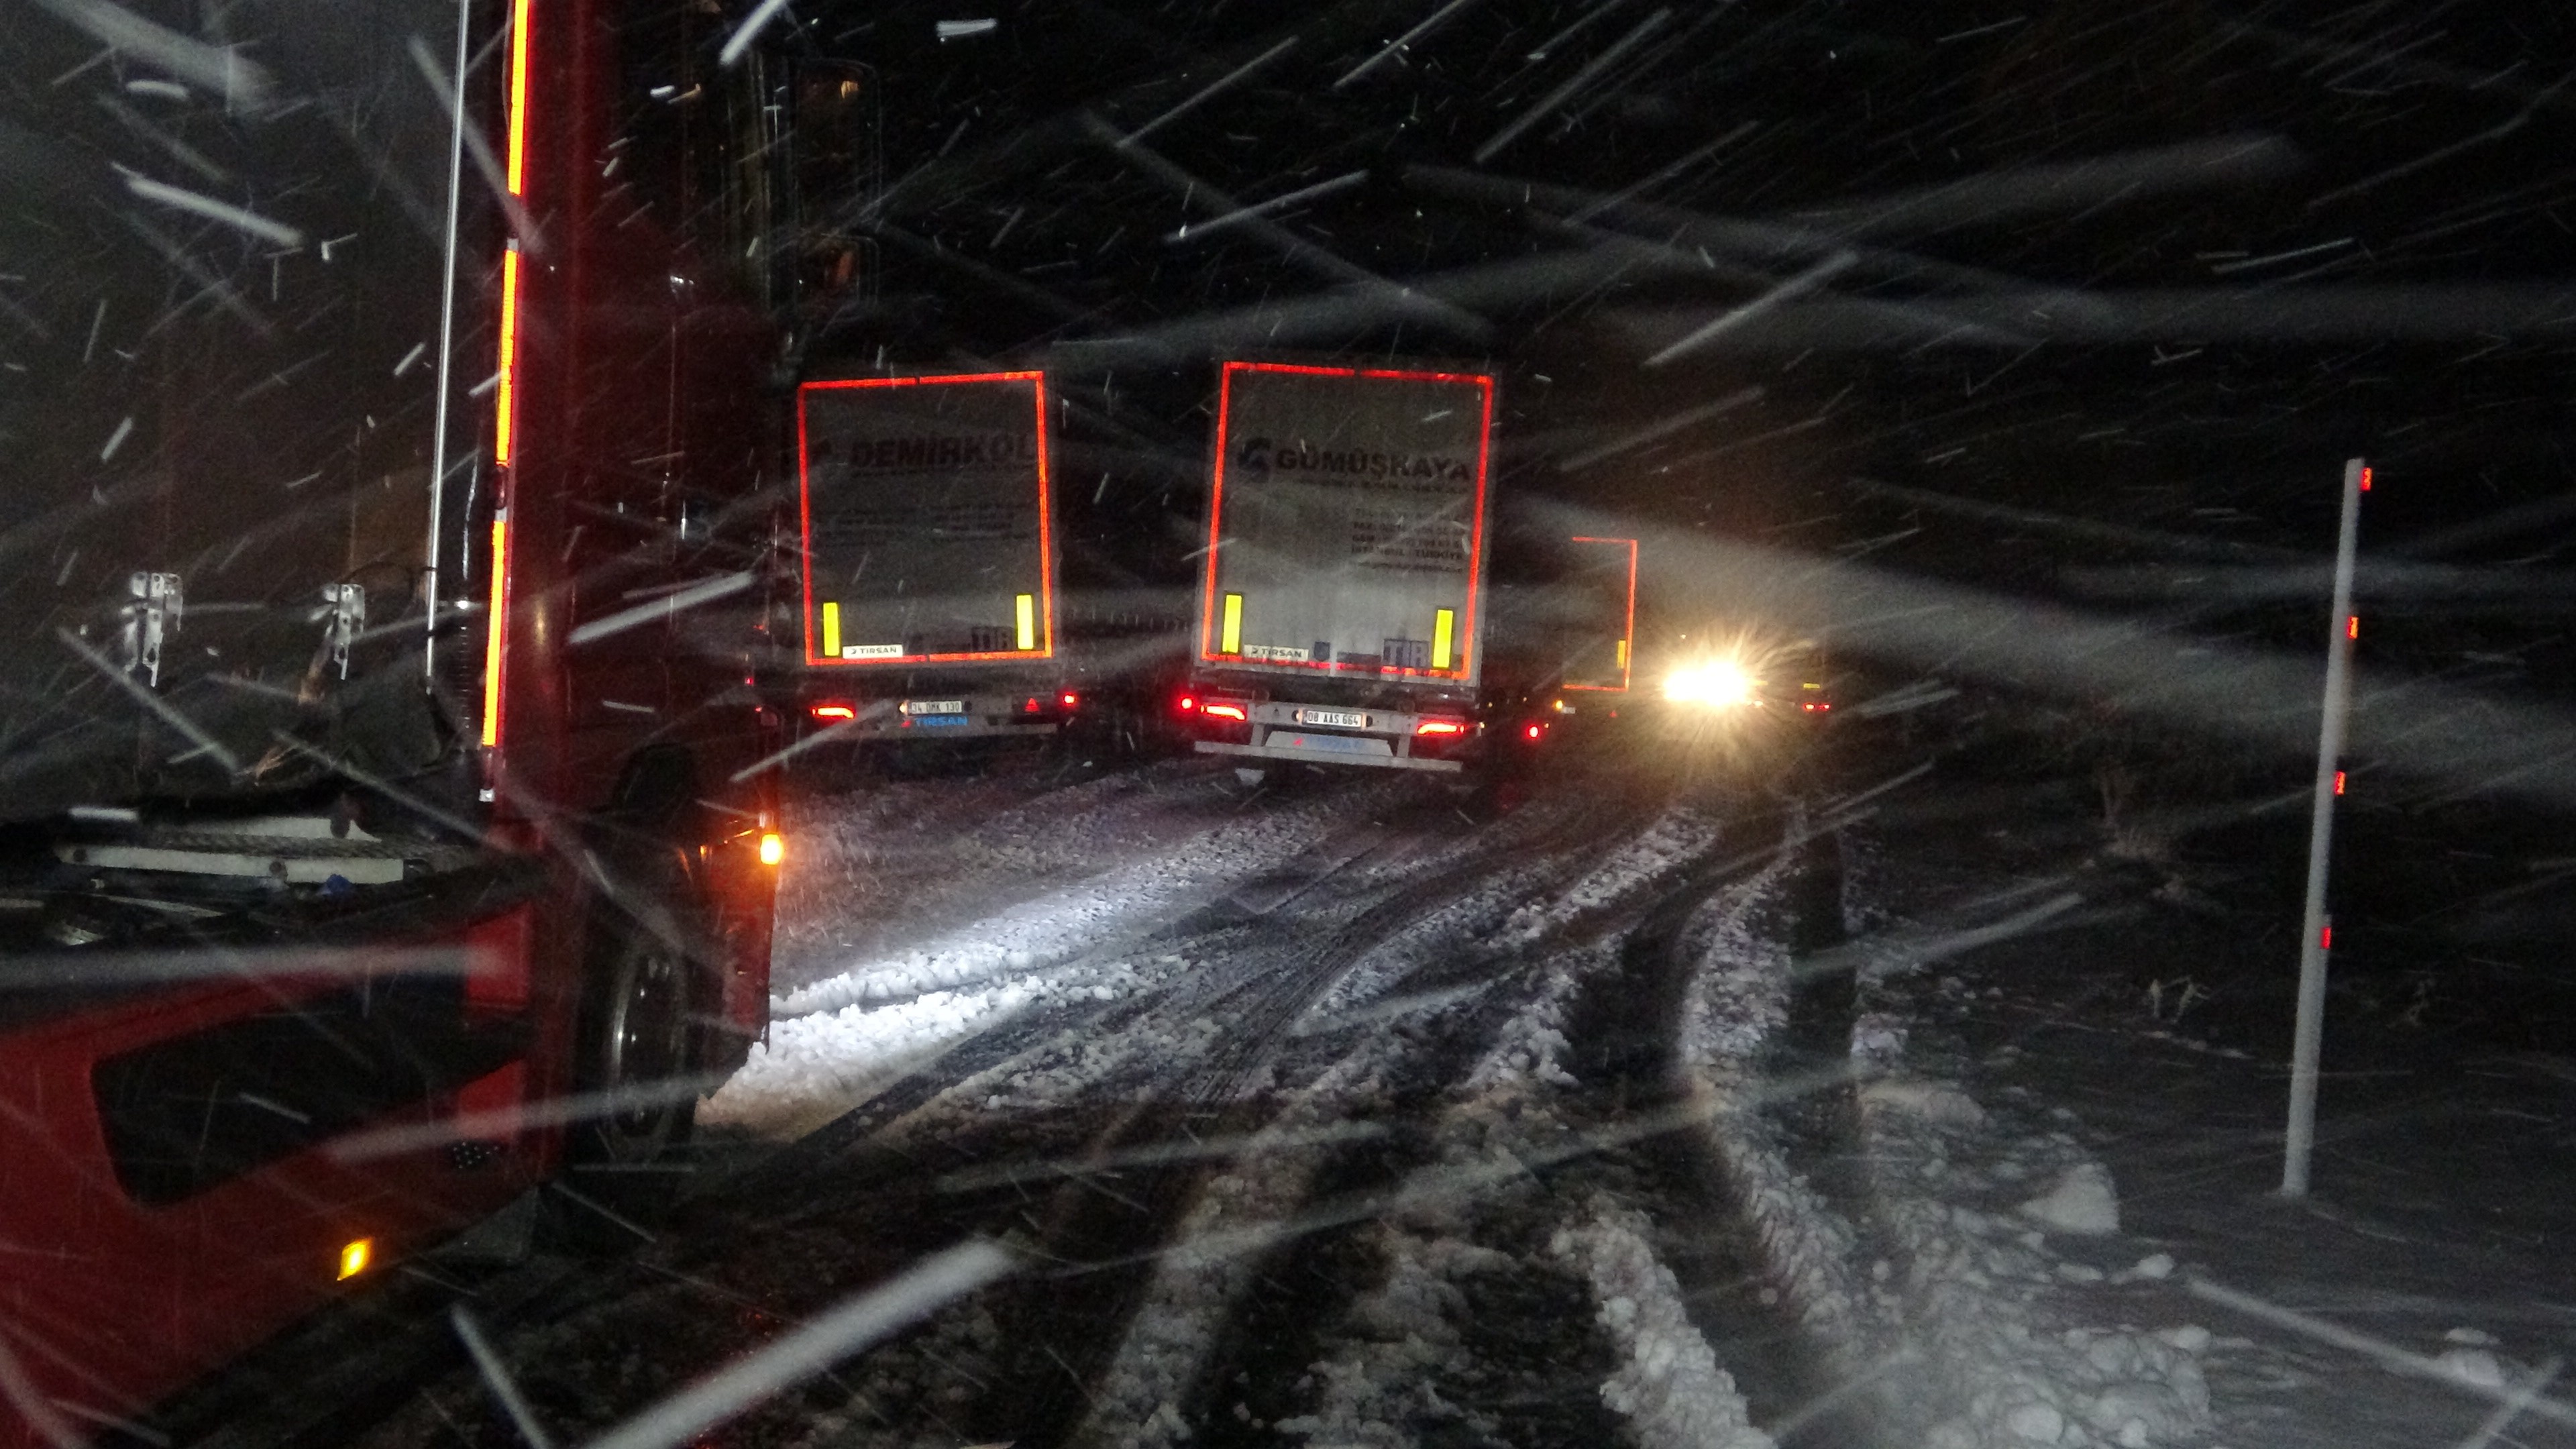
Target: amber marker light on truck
773,847
355,1256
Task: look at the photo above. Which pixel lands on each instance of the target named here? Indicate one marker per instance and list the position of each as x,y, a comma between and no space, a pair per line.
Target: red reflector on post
2365,480
1224,711
2325,938
2352,627
1441,727
835,711
2338,782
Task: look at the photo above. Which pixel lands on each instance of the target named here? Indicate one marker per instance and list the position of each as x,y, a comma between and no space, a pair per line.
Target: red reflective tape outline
1483,383
1046,518
1627,628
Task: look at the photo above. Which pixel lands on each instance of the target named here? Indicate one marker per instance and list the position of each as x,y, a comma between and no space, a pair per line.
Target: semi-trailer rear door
1346,532
1601,593
926,518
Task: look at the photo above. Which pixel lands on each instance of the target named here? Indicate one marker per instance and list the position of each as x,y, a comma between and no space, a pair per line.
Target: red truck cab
391,823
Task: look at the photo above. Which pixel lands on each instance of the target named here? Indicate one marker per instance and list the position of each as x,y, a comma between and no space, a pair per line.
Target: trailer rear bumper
1313,753
912,729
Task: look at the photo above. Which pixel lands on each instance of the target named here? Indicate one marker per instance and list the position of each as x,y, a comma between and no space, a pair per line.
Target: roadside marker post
2315,934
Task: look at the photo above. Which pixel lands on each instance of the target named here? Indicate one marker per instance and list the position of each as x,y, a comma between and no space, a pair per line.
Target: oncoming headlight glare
1710,684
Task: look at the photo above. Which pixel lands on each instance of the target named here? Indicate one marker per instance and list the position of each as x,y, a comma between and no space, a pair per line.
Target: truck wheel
635,1036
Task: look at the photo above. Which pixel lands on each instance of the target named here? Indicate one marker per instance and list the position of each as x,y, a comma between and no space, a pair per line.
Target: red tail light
1188,704
1068,699
1534,731
835,712
1225,711
1441,727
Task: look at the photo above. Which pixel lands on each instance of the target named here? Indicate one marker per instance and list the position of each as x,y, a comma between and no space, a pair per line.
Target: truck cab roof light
1441,727
1214,710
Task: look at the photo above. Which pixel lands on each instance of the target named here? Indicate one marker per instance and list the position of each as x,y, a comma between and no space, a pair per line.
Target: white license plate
1336,718
934,706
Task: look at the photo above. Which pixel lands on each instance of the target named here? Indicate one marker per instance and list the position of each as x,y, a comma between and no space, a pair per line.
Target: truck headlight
1710,684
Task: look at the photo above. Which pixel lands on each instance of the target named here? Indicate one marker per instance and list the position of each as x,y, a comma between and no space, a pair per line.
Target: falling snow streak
1548,104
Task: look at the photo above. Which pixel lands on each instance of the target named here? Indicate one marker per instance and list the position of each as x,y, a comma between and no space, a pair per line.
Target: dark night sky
2151,272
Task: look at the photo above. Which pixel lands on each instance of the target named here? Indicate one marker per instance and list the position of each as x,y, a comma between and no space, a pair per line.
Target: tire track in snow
1422,1300
1154,1386
1203,1056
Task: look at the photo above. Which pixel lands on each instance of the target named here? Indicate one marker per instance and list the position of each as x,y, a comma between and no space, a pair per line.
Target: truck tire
635,1033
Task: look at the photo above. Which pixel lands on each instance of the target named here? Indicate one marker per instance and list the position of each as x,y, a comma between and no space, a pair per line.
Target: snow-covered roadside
2003,1235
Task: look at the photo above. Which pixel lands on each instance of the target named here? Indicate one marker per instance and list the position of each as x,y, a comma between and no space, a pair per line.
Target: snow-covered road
1342,1116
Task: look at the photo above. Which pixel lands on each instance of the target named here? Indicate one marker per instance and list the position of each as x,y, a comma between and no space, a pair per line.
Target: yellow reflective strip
505,396
1028,621
1230,638
495,639
1444,629
1623,653
831,631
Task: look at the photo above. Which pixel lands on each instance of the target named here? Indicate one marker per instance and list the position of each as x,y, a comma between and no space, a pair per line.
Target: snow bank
1669,1386
2083,1203
2000,1317
814,1068
1400,1338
